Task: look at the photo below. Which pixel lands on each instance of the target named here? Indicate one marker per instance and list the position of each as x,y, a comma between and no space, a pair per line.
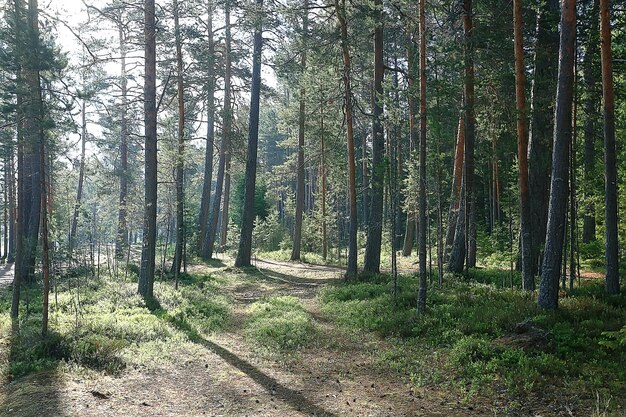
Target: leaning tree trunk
180,155
528,280
375,221
247,222
297,230
351,271
557,212
148,252
610,157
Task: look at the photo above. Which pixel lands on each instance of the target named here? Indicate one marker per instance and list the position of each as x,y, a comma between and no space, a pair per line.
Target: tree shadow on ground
274,276
290,396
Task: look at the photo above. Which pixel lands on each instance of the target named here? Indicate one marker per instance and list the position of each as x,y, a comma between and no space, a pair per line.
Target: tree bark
203,218
423,223
470,128
528,279
81,178
180,154
209,240
146,276
300,186
610,157
351,271
542,121
592,100
557,212
247,222
375,220
121,241
457,179
409,234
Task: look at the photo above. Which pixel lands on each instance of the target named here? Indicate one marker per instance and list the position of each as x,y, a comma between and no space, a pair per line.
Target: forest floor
222,374
250,363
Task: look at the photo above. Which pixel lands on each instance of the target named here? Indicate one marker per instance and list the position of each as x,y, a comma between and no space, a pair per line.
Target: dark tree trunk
121,241
12,216
528,279
457,179
457,252
610,157
180,155
226,202
146,276
470,128
33,136
203,218
375,221
247,222
592,101
409,234
300,187
209,239
351,271
542,121
557,213
423,222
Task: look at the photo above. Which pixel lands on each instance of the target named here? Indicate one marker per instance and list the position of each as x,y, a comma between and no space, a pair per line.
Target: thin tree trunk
121,241
409,234
300,185
225,203
180,155
592,100
45,262
203,218
610,157
351,271
247,223
323,177
528,279
148,252
209,240
423,223
12,214
375,220
81,178
470,127
550,271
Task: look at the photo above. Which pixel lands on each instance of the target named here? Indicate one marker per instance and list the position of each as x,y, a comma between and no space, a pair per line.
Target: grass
467,339
106,326
280,324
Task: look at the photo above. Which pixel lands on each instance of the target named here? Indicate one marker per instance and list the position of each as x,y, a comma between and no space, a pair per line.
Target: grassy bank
485,340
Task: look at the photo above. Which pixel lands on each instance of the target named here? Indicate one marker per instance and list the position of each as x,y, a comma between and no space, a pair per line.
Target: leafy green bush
280,323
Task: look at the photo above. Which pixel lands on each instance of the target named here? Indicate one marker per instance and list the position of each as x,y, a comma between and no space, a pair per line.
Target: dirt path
221,375
6,275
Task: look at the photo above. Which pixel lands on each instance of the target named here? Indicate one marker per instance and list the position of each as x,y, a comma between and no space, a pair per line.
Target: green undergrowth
104,325
280,324
467,338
